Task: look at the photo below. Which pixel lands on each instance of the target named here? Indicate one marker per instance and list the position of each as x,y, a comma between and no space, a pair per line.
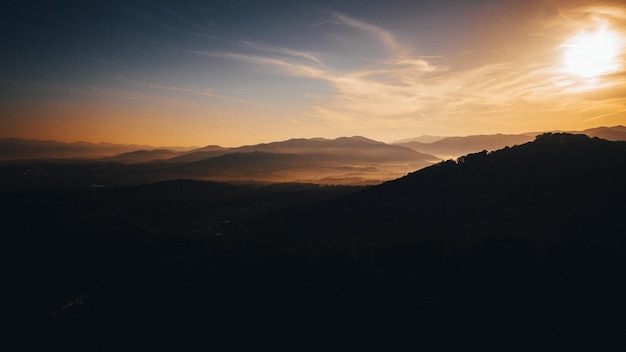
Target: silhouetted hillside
560,186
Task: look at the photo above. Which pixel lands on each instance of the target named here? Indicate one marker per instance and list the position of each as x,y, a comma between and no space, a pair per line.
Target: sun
593,54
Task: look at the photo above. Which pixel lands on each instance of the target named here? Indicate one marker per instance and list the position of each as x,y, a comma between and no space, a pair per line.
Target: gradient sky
244,72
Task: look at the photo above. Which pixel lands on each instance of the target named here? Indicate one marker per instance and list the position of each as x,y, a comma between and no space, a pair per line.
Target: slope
559,187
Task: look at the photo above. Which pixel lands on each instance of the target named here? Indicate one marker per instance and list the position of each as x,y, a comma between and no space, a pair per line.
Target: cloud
284,51
385,37
184,19
411,90
282,66
153,19
201,92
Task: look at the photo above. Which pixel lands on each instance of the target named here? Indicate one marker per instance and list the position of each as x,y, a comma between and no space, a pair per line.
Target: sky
237,72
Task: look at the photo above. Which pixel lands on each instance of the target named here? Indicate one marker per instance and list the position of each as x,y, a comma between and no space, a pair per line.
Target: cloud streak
201,92
412,90
283,51
384,36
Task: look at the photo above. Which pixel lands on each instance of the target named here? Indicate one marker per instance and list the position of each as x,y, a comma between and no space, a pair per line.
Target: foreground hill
560,186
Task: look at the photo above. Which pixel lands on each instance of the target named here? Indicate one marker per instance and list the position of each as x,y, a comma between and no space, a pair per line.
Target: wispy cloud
283,51
386,37
202,92
152,18
405,89
105,62
184,19
283,66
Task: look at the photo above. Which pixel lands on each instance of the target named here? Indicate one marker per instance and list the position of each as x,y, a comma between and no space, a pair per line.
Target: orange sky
173,75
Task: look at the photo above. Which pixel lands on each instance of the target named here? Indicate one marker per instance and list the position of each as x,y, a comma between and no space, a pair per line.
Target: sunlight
593,54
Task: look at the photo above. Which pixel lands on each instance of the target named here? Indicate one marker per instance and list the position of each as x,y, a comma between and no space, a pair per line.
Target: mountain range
16,148
453,147
345,160
441,147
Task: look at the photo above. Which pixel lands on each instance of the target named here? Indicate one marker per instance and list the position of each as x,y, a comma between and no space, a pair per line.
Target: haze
240,72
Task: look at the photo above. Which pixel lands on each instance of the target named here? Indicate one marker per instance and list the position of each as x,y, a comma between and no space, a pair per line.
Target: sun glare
593,54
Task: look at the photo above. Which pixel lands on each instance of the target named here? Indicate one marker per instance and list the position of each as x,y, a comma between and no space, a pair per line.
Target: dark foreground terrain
515,250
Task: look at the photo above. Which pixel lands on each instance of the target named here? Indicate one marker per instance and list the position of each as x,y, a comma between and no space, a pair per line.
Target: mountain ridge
344,160
439,146
455,146
560,186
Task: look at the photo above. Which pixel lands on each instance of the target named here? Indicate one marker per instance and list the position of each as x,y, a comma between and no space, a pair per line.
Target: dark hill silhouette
559,187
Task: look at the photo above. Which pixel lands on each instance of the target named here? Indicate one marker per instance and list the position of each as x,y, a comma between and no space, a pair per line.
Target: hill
559,186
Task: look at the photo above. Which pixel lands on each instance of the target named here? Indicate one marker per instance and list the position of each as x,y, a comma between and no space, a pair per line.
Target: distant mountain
348,160
616,133
198,154
142,156
348,149
343,160
421,139
15,148
453,147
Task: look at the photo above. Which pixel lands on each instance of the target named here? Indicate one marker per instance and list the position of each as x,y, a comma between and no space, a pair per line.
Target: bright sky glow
194,72
593,54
